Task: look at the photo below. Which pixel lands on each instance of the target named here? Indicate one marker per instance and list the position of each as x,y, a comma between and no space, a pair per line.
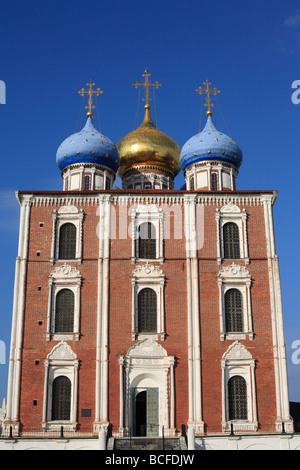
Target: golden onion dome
147,147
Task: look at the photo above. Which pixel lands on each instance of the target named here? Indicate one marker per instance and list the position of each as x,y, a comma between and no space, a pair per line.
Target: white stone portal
147,367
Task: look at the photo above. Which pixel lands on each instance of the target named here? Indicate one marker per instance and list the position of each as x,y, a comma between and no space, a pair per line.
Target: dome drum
147,177
85,177
211,176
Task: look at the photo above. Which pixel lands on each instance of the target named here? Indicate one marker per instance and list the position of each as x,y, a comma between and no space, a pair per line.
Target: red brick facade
32,405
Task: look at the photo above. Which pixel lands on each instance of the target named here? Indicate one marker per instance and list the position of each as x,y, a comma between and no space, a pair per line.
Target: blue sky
247,49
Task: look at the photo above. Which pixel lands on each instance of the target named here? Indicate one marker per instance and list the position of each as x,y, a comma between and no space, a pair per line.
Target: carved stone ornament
237,351
147,270
147,348
68,210
62,351
234,271
65,271
230,208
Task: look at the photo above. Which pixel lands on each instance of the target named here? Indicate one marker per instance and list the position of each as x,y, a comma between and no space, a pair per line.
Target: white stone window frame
232,213
63,277
152,277
238,361
67,214
237,277
61,361
152,214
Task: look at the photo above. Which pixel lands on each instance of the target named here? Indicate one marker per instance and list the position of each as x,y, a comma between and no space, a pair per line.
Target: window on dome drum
64,311
61,399
237,395
192,184
146,241
214,181
234,311
231,240
67,241
107,184
147,311
86,183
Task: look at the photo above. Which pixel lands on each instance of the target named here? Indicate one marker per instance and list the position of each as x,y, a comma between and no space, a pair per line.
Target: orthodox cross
207,91
90,92
146,85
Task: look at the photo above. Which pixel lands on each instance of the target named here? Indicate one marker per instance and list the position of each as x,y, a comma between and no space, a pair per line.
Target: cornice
94,198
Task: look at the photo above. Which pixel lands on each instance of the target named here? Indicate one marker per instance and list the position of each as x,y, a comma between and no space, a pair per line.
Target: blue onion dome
210,145
88,146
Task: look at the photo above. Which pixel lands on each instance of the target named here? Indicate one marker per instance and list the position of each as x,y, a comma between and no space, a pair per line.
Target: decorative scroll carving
68,210
234,271
65,271
237,351
147,348
147,270
230,208
62,351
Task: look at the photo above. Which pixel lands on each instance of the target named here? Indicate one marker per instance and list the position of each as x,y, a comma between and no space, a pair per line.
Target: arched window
214,181
67,241
147,241
86,183
234,311
231,240
61,399
237,395
192,184
64,311
147,311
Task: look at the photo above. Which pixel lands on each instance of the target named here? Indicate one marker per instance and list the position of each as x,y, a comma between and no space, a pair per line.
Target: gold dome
147,147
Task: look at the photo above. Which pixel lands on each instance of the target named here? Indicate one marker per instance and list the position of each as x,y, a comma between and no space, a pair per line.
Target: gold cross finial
146,85
90,92
208,90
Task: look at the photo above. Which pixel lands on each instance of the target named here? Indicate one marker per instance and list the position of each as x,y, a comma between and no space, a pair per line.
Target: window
67,234
148,302
147,311
231,240
147,232
107,183
234,311
234,283
64,311
63,314
86,183
146,241
67,241
239,405
214,181
192,184
237,398
232,236
61,399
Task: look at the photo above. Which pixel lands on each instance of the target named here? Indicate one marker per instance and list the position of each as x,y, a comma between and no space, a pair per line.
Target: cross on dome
146,84
90,92
207,91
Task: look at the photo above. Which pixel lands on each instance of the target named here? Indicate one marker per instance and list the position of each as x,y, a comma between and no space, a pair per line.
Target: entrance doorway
145,416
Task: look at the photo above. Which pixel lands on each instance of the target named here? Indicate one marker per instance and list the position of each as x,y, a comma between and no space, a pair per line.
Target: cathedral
147,312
